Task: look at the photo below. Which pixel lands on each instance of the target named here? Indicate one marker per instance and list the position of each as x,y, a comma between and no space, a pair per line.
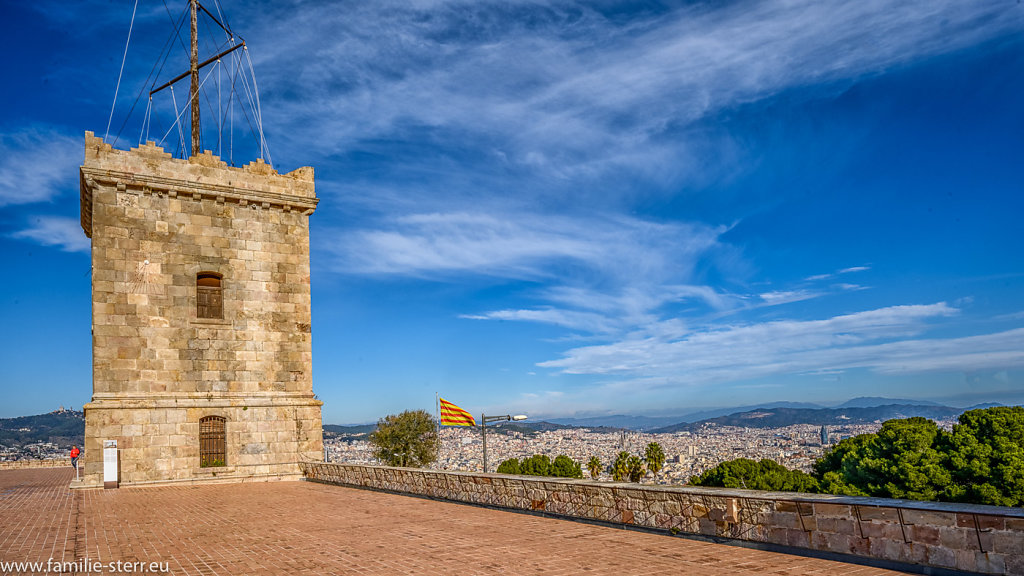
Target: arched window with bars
212,441
209,295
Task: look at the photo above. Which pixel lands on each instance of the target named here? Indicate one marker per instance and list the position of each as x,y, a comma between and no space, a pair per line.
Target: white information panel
110,463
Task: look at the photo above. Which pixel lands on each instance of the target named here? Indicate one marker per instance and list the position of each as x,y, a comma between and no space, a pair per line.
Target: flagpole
437,406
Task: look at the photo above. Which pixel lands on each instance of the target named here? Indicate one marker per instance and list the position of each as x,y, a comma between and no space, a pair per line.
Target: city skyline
570,209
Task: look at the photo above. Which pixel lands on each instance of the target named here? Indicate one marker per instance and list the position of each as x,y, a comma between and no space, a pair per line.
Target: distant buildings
691,453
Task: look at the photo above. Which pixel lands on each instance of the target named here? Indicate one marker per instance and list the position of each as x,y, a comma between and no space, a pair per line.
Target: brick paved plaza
308,528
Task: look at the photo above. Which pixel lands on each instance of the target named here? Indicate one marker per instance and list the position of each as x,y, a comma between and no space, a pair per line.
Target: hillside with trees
61,427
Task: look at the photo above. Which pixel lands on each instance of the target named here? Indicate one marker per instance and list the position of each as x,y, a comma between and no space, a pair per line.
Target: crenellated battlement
97,149
149,170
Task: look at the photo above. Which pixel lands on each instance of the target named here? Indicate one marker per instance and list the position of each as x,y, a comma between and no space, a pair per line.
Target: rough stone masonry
200,317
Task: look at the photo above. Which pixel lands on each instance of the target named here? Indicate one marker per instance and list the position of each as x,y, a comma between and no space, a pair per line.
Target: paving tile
308,528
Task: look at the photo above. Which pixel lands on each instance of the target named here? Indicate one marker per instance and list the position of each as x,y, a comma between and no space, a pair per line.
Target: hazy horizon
1009,399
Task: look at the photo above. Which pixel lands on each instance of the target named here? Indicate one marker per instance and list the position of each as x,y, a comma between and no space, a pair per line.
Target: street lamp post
484,420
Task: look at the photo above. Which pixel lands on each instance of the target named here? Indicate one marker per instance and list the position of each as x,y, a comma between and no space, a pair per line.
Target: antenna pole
197,145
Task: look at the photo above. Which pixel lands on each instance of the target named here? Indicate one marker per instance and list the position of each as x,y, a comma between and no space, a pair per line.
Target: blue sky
574,208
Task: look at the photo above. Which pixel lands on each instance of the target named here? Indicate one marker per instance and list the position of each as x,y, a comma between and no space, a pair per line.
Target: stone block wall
21,464
156,222
157,443
964,537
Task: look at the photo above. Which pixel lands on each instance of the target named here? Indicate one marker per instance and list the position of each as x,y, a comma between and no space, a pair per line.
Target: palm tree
655,458
594,465
620,469
635,468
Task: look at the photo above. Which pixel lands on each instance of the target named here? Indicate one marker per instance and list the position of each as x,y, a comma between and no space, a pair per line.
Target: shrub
510,466
536,465
565,467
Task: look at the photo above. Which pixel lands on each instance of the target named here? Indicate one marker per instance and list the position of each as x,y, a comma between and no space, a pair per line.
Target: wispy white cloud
596,274
817,277
63,233
886,340
831,275
787,296
566,93
762,344
523,245
639,298
575,320
36,165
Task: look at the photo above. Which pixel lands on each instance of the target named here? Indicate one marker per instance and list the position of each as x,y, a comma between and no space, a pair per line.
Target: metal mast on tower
193,72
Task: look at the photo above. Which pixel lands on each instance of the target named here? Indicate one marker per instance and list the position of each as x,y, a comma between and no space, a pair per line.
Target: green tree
594,465
986,457
536,465
905,459
654,456
635,467
510,466
763,475
620,468
738,473
837,470
565,467
407,439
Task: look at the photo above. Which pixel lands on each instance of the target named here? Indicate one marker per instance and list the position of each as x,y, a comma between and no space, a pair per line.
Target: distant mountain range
348,430
618,421
791,412
650,422
779,417
873,401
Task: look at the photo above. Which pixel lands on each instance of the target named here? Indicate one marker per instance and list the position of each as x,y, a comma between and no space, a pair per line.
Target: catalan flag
452,415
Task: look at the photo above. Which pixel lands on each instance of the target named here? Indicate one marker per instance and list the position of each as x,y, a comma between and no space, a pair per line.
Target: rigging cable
248,95
177,31
231,119
216,49
145,121
264,149
177,121
220,113
123,58
164,53
223,18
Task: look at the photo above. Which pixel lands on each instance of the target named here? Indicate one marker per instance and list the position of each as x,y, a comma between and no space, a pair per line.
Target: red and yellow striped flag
452,415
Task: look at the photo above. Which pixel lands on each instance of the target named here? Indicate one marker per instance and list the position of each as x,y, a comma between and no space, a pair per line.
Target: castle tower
200,317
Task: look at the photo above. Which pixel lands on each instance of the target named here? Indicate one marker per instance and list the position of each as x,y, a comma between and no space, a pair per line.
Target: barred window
212,441
209,295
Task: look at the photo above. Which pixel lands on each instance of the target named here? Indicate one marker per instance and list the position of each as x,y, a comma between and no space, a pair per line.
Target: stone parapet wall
20,464
964,537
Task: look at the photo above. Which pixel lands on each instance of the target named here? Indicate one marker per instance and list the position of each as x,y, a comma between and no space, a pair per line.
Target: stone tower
200,317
